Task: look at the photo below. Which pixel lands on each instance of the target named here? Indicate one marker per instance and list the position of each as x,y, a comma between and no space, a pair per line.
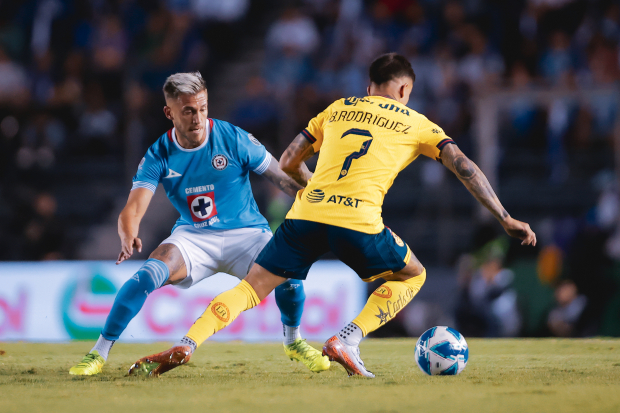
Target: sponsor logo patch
398,240
221,311
172,174
383,292
219,162
315,196
343,200
254,140
202,206
393,307
141,163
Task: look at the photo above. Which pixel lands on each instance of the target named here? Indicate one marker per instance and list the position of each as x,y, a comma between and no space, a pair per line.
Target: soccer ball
441,350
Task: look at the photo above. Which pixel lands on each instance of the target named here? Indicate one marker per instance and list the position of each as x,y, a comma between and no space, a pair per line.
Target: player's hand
521,230
127,246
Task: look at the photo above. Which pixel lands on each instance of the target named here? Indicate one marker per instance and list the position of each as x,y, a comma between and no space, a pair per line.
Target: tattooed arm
474,180
280,179
292,161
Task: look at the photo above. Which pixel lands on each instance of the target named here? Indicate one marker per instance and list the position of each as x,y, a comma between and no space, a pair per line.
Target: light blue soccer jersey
208,185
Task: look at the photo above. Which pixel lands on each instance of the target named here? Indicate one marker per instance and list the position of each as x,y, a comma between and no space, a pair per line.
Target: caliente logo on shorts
219,162
315,196
221,311
398,240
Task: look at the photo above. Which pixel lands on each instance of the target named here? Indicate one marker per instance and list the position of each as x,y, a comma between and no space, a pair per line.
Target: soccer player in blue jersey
204,167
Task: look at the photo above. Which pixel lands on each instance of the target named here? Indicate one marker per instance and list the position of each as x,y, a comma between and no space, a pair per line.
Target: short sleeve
150,171
314,131
432,139
252,154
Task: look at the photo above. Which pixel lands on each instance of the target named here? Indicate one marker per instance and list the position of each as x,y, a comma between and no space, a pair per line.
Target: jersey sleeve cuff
444,143
308,136
142,184
260,169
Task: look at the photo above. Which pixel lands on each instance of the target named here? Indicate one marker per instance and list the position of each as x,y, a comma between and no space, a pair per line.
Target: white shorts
208,252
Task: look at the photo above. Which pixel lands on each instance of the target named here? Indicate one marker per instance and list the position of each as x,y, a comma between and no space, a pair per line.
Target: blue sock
132,295
290,297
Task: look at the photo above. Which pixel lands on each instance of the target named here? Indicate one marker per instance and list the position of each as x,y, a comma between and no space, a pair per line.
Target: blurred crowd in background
80,96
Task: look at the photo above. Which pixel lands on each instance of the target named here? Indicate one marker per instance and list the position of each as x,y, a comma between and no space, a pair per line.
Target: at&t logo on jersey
219,162
344,200
202,207
314,196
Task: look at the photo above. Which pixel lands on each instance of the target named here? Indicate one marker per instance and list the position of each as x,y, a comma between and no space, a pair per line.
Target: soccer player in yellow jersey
363,143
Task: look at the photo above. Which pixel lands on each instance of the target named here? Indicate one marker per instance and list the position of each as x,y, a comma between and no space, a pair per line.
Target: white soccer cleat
347,356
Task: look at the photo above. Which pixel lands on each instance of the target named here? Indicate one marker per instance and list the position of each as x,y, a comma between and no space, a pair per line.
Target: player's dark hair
390,66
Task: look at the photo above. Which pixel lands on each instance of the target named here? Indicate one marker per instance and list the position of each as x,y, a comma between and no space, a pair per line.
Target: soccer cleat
308,355
90,365
159,363
348,356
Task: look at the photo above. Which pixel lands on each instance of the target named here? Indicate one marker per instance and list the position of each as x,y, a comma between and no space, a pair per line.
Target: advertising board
59,301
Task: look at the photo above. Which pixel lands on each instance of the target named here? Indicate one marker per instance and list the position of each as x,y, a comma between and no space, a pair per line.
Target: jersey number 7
355,155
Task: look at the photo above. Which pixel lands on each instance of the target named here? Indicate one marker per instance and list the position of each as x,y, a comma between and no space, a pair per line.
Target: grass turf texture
501,376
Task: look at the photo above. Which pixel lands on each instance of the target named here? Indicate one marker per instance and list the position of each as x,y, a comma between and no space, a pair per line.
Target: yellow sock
222,311
386,301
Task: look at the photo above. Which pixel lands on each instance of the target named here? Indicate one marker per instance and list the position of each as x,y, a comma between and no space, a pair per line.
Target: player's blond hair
184,83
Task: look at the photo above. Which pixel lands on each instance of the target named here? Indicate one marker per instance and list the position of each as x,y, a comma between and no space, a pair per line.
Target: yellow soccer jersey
364,143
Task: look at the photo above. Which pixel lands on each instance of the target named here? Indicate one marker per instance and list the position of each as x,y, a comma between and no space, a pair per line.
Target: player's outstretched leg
290,297
222,311
128,302
383,304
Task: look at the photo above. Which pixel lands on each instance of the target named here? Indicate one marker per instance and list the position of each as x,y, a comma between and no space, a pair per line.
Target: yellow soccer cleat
90,365
308,355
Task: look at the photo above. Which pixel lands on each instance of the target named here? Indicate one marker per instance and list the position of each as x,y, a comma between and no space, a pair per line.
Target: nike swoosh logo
173,174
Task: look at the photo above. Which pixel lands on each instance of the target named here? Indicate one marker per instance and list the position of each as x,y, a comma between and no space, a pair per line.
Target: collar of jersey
178,145
382,96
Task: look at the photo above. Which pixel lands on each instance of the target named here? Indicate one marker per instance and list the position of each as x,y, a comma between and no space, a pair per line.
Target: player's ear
403,90
168,112
368,90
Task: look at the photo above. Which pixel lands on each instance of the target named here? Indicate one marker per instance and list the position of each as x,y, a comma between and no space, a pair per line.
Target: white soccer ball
441,350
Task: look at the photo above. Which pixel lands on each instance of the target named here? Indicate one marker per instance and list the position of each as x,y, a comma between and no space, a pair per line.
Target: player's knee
152,275
413,269
171,256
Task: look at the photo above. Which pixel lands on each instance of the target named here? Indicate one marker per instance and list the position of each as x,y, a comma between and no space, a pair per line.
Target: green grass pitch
543,375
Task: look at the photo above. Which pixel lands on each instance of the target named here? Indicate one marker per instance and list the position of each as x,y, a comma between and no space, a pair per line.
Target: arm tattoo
294,158
474,180
280,179
463,167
